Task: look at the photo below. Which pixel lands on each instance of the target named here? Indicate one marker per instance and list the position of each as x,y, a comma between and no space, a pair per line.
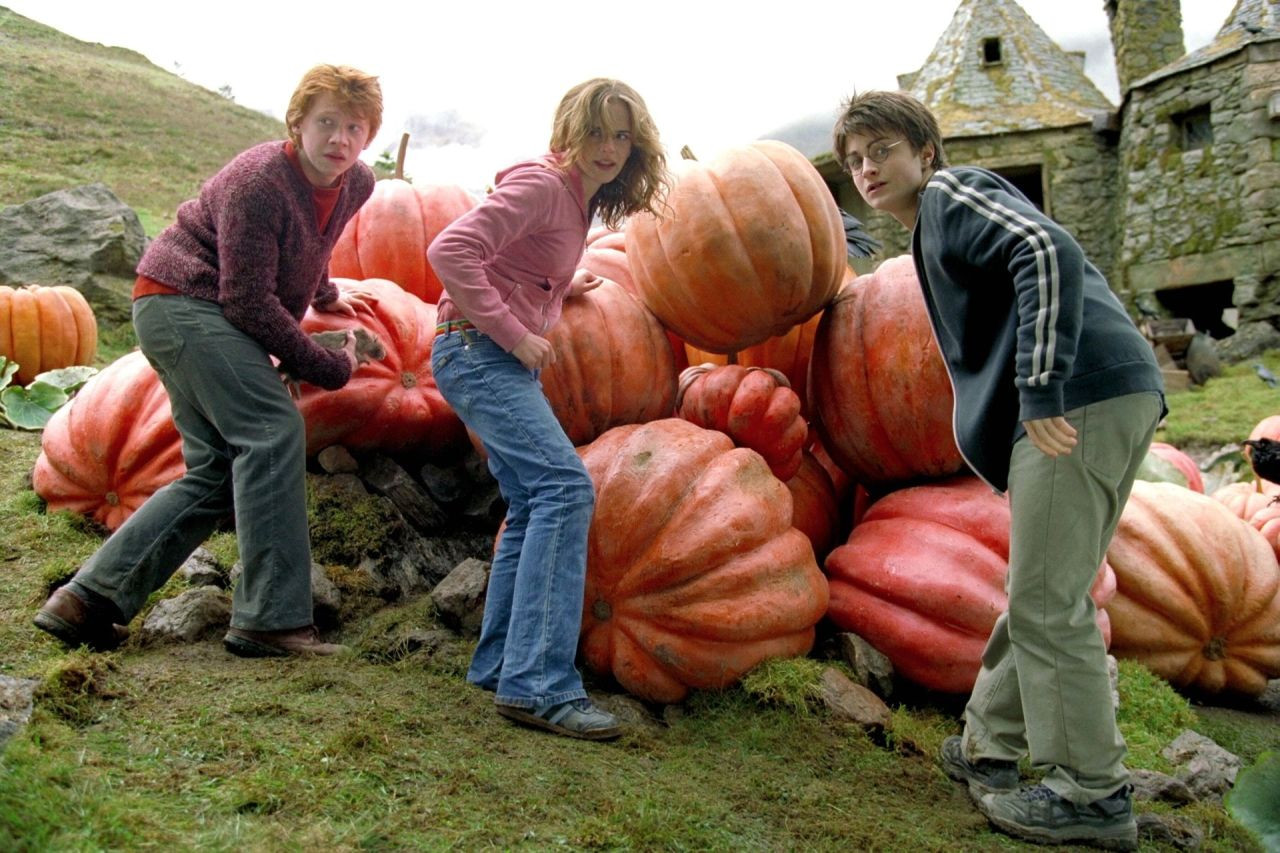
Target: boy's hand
1053,436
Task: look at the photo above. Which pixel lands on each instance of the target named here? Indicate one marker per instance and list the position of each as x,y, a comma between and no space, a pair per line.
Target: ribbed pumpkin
754,406
788,353
878,389
1198,598
613,364
389,405
1260,509
815,505
1184,464
389,236
109,449
606,256
753,245
695,573
45,328
922,577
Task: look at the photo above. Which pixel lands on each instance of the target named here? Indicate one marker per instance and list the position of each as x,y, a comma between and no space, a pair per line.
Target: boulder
84,237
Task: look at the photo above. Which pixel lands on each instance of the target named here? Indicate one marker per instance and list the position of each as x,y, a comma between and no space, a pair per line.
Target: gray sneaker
576,718
1035,813
985,776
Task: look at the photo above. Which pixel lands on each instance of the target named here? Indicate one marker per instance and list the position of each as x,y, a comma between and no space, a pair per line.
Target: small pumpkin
922,578
1260,509
754,406
109,449
879,395
46,328
389,405
815,505
788,353
754,245
388,237
613,364
695,573
1198,592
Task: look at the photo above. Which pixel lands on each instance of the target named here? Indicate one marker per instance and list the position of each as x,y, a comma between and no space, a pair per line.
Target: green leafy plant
32,407
1255,799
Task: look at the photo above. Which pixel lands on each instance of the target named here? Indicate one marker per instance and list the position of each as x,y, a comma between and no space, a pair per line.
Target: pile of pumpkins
770,439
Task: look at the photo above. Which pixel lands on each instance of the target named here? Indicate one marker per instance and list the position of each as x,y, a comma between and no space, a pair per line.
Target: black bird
1265,375
1265,460
860,244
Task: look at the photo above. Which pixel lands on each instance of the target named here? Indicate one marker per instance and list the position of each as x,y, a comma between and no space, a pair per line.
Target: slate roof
1250,22
1036,85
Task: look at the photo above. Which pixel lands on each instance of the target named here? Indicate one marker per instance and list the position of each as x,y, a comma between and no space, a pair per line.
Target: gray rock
202,569
336,459
459,598
390,480
851,701
630,711
1202,359
1169,829
195,615
16,704
1249,341
1207,769
83,236
871,668
1153,785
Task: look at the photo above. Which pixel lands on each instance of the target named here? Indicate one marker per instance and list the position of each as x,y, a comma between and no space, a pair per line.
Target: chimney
1146,35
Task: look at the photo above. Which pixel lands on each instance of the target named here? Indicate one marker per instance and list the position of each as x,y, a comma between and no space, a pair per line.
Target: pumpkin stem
686,153
404,146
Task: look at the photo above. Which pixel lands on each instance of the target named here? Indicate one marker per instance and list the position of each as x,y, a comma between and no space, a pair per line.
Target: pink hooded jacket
506,264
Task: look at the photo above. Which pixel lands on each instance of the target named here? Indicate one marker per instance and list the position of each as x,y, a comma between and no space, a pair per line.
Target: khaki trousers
1043,688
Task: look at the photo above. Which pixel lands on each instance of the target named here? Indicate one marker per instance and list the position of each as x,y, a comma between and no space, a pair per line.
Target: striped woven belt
454,326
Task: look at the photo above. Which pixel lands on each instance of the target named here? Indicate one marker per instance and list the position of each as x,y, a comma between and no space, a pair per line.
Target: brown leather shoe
76,622
278,644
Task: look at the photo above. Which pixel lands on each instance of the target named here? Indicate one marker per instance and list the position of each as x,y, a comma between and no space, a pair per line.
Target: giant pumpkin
613,364
104,453
753,245
389,405
45,328
788,353
388,237
922,577
1260,509
695,573
754,406
1198,592
879,395
815,505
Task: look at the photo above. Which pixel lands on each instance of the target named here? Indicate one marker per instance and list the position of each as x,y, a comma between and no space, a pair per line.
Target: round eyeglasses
878,153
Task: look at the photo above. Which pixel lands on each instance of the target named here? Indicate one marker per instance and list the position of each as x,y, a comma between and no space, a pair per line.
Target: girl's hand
534,352
1053,436
349,302
584,280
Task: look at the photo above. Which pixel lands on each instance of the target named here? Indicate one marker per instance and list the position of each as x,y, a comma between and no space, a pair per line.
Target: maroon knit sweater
250,242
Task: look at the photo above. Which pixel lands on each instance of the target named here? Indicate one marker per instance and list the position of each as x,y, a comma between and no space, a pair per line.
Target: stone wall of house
1212,213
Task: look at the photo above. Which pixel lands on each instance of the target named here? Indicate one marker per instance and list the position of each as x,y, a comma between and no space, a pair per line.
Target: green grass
1225,409
74,113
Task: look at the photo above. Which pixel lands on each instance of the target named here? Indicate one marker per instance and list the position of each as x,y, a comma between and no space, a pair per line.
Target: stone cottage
1175,193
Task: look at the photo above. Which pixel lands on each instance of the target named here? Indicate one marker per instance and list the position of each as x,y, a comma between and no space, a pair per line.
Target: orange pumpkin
613,364
815,505
1260,509
1185,465
45,328
389,405
1198,598
753,245
695,573
109,449
753,406
788,353
922,577
389,236
879,395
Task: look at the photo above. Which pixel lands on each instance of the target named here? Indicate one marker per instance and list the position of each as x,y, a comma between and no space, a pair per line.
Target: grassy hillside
72,113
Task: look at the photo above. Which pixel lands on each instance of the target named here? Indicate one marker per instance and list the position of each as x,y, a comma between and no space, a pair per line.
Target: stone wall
1147,35
1207,214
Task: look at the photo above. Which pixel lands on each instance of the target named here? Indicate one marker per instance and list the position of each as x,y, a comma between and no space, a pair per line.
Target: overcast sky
477,81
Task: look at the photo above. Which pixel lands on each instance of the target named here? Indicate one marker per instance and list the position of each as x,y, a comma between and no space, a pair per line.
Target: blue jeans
243,444
533,609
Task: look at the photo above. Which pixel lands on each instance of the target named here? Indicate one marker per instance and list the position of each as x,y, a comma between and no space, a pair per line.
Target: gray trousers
243,442
1043,688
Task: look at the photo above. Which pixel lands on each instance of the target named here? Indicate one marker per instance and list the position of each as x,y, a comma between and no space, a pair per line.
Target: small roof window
991,53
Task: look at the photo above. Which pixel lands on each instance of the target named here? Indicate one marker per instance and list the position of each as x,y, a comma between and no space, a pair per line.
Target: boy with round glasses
1057,396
